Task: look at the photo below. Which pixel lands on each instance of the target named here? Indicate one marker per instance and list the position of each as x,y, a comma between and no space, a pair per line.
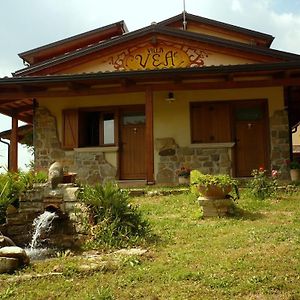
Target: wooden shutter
70,128
210,122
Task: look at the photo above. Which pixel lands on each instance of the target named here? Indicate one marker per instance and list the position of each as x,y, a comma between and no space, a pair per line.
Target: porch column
13,149
149,137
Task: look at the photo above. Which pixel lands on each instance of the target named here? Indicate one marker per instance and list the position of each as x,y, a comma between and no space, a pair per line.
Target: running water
41,224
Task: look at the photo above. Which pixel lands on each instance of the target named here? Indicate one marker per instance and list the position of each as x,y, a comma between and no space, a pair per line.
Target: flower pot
214,191
69,177
183,180
295,174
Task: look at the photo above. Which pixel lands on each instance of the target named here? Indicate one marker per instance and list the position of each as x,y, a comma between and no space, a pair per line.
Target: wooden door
252,142
133,146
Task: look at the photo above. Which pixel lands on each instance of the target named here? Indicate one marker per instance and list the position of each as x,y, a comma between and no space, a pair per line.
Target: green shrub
261,186
13,184
116,223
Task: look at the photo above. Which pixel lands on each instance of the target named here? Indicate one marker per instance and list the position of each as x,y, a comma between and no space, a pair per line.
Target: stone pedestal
183,180
215,207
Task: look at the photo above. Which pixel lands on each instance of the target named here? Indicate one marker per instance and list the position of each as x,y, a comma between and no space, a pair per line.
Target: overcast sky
27,24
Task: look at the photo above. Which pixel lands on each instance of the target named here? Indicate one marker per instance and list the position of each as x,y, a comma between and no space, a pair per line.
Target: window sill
97,149
213,145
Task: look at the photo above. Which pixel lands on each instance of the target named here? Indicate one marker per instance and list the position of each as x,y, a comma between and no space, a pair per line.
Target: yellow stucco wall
170,119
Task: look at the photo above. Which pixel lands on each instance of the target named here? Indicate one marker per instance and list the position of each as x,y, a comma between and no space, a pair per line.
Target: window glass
249,114
133,118
108,128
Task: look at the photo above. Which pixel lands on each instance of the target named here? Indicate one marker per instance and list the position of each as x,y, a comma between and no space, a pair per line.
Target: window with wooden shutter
210,122
70,128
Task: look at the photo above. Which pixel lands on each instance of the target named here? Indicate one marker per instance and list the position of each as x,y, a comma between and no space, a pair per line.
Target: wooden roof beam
11,113
126,82
31,88
76,86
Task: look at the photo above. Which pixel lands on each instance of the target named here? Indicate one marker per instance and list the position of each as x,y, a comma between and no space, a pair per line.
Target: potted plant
294,167
213,191
183,175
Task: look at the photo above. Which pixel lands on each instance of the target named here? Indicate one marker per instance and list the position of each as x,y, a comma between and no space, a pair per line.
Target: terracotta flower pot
214,191
69,177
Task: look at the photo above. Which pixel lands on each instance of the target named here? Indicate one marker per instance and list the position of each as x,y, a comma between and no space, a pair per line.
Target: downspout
8,152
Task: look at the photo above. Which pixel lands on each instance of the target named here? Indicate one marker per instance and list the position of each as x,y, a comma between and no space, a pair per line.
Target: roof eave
235,28
26,55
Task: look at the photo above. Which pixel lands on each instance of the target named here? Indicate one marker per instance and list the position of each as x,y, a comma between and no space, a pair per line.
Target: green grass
252,255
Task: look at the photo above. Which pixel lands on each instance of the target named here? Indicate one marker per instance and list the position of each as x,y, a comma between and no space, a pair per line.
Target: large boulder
15,252
8,264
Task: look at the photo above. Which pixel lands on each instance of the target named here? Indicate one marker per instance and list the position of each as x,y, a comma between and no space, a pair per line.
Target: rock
8,264
6,241
55,174
15,252
133,251
165,146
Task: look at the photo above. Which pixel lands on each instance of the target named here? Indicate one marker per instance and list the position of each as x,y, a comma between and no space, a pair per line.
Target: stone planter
213,201
295,174
183,180
214,191
215,207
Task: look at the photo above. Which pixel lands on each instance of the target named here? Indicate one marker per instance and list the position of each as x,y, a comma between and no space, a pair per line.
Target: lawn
252,255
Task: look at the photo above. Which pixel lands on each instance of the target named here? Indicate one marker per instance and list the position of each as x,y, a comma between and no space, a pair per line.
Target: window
210,122
107,124
89,128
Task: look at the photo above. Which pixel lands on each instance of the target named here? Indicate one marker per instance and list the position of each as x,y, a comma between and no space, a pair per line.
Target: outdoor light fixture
170,97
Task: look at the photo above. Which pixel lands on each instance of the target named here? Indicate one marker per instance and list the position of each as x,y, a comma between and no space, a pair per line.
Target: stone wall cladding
206,160
280,149
91,167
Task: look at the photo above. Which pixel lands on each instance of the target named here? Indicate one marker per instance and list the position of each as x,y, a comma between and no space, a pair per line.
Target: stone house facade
113,104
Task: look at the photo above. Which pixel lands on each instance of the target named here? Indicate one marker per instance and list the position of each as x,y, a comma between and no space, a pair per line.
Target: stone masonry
91,167
279,142
207,160
67,230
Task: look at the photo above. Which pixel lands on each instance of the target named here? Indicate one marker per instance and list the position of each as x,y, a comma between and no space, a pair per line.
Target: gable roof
177,20
73,43
152,30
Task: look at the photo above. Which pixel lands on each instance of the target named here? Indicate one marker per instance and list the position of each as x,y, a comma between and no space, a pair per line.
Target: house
138,105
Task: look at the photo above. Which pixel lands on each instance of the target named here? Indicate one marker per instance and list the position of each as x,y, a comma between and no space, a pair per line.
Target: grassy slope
252,256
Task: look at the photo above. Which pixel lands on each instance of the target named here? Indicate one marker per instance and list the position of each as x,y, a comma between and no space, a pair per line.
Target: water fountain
47,203
41,225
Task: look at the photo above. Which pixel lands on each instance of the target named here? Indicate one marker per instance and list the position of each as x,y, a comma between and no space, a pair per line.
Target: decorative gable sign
163,56
160,57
